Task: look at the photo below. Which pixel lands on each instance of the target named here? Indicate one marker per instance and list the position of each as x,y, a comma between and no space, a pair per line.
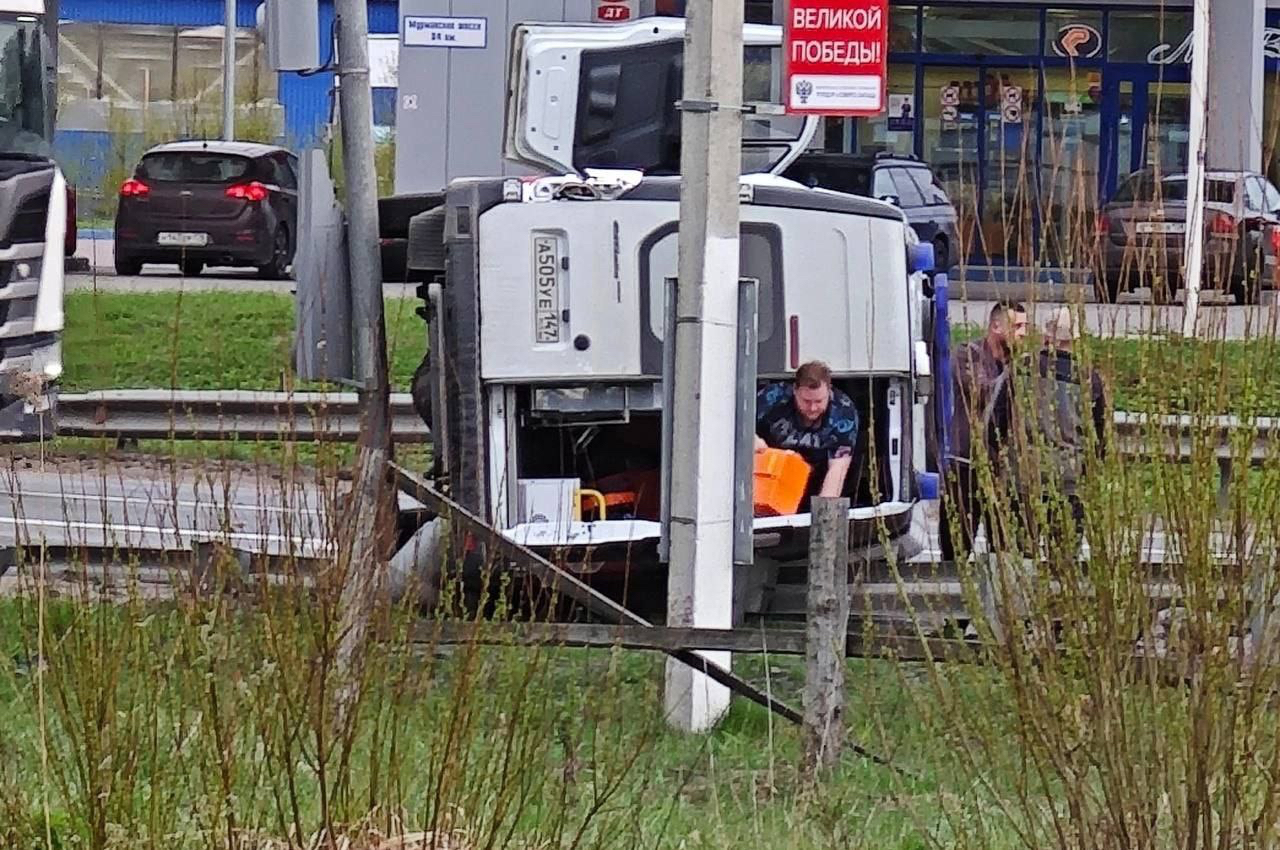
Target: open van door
604,96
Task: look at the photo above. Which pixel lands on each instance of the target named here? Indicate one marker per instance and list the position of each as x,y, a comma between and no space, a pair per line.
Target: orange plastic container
781,478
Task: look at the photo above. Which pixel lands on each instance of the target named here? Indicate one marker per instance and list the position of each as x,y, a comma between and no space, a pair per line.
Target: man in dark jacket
1048,416
977,366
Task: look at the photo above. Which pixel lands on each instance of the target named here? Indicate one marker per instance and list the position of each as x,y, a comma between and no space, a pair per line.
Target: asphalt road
148,505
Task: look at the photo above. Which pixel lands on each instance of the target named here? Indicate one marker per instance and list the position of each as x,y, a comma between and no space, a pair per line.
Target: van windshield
194,167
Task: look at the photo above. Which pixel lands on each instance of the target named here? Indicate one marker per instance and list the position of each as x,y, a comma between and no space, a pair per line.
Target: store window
1073,34
1070,158
902,29
77,61
1155,37
134,65
137,63
1011,32
896,129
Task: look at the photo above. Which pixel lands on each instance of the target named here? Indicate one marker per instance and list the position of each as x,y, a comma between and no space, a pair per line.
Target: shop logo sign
1167,54
1077,41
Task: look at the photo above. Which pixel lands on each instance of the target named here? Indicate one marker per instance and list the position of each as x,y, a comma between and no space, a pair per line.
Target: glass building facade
1031,114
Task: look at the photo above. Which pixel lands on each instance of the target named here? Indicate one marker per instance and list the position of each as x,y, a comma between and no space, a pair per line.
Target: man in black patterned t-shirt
814,419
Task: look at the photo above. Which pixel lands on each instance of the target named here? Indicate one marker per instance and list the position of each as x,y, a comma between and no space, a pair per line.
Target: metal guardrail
307,416
224,414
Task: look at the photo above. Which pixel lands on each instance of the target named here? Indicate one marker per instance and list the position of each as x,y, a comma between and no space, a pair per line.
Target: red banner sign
836,56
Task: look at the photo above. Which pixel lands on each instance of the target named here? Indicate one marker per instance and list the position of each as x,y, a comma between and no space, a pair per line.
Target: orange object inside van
781,478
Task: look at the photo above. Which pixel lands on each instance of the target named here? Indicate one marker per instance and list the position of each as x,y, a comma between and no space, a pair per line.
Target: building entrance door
1147,114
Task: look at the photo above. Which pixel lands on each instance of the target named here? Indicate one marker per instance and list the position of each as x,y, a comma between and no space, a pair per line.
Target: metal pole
700,577
668,408
744,440
1194,244
229,72
371,512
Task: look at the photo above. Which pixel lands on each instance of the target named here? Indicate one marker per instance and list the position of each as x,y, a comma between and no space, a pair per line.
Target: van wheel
128,266
191,268
281,256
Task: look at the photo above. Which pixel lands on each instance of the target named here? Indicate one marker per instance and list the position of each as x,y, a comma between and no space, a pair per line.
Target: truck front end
33,226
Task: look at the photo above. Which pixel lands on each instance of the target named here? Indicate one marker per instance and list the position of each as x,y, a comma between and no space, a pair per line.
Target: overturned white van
547,318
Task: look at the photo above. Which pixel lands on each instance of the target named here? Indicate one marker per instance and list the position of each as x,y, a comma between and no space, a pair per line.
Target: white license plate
183,239
1161,227
546,289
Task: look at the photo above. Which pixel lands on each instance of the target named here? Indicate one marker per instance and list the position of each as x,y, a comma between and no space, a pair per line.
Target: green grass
203,340
575,737
1177,375
243,341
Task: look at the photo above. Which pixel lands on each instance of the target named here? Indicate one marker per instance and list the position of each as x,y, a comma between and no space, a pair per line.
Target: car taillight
134,189
254,191
1102,225
1222,224
1273,233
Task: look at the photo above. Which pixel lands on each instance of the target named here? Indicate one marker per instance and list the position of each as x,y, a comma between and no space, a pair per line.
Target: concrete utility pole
372,505
229,72
1194,244
1236,92
700,586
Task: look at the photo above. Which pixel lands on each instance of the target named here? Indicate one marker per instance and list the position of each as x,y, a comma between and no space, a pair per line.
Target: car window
1272,195
1141,188
908,194
281,173
929,190
882,184
192,167
1253,195
848,178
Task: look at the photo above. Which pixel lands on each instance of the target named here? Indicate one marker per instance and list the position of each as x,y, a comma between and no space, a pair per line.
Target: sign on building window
836,56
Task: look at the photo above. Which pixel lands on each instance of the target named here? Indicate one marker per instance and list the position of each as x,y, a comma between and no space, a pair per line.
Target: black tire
281,256
1245,290
128,266
1108,287
191,268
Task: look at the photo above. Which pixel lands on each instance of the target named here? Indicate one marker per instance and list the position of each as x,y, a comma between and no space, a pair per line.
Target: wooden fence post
826,630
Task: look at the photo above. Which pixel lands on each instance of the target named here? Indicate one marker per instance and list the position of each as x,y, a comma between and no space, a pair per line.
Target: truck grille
29,221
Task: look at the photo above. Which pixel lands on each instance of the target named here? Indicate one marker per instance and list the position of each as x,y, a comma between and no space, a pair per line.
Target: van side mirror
891,199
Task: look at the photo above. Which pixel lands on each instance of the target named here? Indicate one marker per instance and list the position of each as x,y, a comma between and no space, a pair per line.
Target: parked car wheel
278,268
191,268
1245,289
128,266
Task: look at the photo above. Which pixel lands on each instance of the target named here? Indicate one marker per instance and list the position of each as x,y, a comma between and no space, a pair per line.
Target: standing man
1045,436
977,365
814,419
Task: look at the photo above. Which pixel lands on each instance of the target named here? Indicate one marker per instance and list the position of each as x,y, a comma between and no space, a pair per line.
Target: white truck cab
547,321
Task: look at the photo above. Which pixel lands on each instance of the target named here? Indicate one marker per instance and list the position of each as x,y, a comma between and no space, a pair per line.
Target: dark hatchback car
902,180
201,204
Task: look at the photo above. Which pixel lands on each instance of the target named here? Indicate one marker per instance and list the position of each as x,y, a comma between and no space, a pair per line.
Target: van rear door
604,96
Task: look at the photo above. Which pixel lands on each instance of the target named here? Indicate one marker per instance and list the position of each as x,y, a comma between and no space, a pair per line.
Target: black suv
901,180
